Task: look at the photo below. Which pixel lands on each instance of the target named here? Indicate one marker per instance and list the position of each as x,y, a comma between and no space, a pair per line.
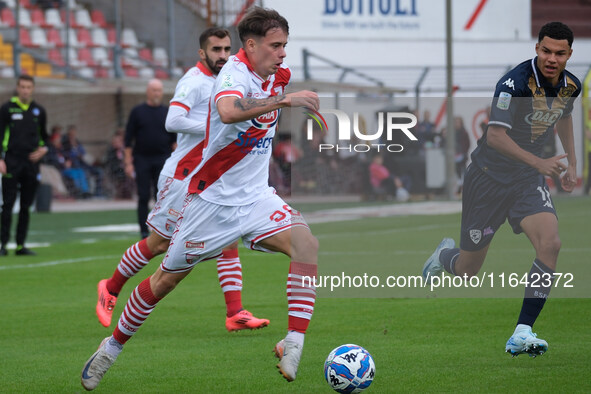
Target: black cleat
25,252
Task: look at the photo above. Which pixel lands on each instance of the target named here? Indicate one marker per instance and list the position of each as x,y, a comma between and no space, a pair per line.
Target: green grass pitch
421,340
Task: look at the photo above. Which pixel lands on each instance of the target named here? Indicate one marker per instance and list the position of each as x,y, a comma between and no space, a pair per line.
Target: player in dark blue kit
506,179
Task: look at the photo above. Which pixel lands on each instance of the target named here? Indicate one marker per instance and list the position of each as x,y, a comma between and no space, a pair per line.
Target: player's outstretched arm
497,138
234,109
564,128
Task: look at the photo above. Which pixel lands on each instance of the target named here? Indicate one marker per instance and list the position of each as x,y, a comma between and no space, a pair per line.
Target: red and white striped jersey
235,167
192,94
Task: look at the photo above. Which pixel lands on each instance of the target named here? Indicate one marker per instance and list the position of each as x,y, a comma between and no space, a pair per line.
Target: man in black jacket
24,143
147,146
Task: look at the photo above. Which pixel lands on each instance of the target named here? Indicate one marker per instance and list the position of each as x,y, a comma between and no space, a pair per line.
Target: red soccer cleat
244,320
105,304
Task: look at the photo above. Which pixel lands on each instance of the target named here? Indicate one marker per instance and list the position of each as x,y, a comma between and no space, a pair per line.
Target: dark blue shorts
486,204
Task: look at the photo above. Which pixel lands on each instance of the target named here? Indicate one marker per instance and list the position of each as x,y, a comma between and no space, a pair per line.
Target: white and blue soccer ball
349,369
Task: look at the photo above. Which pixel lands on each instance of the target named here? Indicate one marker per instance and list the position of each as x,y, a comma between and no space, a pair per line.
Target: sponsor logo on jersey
17,116
194,245
253,145
475,236
544,117
509,83
488,231
266,121
36,111
504,101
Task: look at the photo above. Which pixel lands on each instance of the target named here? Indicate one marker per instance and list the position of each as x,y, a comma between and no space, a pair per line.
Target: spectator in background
76,154
115,166
383,182
462,148
147,146
24,139
75,177
285,154
425,130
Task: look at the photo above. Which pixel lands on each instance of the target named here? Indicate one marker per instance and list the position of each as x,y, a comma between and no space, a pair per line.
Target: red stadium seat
38,18
161,74
85,38
55,56
53,36
146,54
7,17
25,38
131,72
84,56
98,19
73,22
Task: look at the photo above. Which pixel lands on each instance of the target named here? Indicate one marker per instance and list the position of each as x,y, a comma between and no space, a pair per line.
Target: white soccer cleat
433,266
289,354
96,367
525,341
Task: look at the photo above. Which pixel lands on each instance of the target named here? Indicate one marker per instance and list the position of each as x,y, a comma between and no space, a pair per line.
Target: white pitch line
57,262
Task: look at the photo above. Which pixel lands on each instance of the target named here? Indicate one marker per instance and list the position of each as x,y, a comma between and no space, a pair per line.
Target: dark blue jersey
528,106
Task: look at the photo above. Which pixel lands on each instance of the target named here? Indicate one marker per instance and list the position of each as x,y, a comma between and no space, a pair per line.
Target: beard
213,66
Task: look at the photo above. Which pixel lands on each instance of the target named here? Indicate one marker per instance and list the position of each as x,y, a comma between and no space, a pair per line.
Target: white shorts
167,210
204,228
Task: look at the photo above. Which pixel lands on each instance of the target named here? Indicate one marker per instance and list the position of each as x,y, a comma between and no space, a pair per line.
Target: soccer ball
349,369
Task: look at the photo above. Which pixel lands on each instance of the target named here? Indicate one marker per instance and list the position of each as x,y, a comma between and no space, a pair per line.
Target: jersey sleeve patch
504,101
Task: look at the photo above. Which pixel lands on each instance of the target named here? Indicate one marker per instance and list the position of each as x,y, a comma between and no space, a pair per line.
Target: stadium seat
26,4
38,18
98,19
24,18
101,57
85,57
55,56
130,58
146,54
129,39
7,72
25,39
73,58
38,38
160,57
10,3
54,37
43,70
131,72
85,38
112,35
101,72
7,17
146,73
86,72
83,18
99,37
72,37
161,74
53,18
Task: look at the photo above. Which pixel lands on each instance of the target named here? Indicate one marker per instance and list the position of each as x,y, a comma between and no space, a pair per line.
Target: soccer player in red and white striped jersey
229,196
187,116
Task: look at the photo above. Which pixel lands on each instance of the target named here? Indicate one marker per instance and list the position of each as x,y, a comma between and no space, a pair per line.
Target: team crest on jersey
566,91
36,111
194,245
170,225
266,121
475,236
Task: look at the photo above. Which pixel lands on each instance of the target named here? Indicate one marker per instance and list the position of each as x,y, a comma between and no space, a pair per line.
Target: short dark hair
210,32
556,31
259,21
25,77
